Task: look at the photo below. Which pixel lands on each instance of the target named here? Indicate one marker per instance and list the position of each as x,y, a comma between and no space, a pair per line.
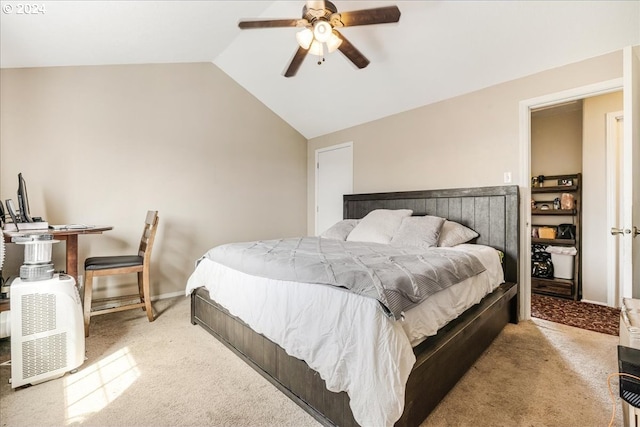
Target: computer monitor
23,200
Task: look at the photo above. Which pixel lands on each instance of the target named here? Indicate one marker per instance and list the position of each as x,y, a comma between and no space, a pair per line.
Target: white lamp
304,37
314,40
334,42
322,31
316,48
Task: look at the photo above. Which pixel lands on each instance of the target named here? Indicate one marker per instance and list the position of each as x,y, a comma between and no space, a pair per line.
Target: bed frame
442,359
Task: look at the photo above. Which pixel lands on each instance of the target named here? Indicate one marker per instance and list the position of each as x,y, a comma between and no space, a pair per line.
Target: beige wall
104,144
101,145
556,149
556,143
595,231
470,140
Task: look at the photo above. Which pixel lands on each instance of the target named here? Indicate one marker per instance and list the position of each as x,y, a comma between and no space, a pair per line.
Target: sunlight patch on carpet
90,390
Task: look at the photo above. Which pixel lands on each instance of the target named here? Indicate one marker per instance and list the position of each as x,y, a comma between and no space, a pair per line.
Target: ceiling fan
319,22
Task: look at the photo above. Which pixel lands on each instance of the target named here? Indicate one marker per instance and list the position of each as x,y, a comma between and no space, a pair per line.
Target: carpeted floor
171,373
593,317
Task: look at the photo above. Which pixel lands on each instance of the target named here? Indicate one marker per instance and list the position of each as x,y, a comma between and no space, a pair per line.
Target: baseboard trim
168,295
596,303
99,306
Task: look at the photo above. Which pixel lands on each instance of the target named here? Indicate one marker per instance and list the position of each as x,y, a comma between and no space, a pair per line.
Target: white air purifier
45,317
47,329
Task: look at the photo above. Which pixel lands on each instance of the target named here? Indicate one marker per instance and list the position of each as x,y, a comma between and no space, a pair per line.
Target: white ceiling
438,50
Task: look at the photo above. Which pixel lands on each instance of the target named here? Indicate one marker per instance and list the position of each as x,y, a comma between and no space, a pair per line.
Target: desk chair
122,264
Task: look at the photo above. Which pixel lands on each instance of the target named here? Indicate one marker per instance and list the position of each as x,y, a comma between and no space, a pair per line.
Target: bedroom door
334,178
631,173
615,202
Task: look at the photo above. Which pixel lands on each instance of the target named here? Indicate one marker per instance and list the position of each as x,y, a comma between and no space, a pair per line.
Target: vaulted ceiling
439,49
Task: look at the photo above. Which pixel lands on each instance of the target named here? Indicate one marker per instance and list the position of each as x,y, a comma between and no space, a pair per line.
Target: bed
437,361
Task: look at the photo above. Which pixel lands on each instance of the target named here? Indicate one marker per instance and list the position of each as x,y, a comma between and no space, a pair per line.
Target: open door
631,174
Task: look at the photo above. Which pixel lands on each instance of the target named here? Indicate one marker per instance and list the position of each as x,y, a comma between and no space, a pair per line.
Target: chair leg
141,286
88,290
146,291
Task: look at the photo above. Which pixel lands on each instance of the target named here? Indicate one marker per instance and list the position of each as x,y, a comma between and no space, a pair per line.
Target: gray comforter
398,277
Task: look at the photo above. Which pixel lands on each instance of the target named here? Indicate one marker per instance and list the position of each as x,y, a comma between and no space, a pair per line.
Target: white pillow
419,231
340,230
453,234
378,226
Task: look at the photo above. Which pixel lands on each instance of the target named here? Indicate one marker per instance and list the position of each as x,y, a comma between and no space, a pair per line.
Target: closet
571,139
556,200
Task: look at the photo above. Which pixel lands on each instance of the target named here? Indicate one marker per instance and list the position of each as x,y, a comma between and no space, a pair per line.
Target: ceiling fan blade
351,52
381,15
271,23
295,63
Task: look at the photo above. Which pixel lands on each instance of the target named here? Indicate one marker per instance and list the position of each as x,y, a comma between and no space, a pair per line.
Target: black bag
567,231
541,265
542,269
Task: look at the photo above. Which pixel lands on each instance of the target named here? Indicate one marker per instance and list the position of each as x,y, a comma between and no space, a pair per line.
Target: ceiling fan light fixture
322,31
333,43
304,38
316,48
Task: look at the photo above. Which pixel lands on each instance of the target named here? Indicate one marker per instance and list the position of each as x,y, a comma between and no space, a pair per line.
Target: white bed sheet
354,338
436,311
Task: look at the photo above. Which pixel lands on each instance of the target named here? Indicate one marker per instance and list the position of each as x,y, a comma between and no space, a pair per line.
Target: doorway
526,109
571,138
334,178
556,200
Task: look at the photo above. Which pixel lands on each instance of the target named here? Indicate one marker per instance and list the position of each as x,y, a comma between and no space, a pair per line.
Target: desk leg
72,256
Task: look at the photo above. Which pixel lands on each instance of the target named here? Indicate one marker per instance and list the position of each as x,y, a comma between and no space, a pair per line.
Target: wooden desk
70,236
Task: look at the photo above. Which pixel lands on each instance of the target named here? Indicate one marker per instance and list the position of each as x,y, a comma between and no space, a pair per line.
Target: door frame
631,191
317,181
525,107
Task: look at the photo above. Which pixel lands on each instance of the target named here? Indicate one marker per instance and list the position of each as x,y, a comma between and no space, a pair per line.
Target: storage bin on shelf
547,232
562,258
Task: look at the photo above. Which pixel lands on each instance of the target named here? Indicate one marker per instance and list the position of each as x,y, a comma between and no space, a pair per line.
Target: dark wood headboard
493,212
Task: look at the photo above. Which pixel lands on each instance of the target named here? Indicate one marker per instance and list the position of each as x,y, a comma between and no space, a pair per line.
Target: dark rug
594,317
